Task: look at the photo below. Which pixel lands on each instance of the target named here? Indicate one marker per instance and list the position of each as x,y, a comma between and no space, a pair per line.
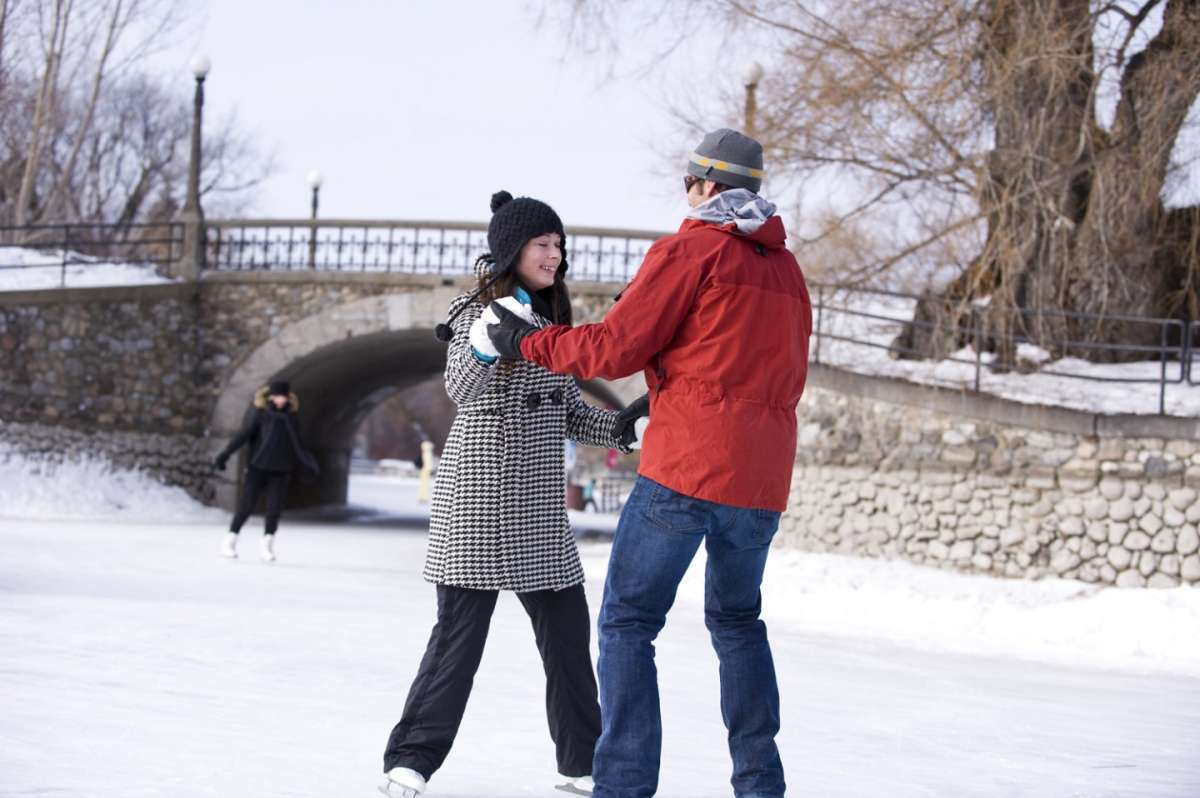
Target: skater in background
498,521
719,318
589,496
425,476
275,453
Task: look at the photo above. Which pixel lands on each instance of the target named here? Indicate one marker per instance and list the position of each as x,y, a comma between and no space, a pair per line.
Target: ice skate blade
570,789
398,792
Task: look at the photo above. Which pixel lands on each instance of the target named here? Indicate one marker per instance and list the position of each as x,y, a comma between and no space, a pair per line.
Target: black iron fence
59,255
1193,344
411,247
850,322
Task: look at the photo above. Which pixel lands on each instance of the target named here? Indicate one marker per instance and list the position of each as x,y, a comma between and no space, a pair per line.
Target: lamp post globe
752,74
201,64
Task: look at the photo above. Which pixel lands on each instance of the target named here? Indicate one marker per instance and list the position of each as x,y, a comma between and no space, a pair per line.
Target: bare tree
962,137
88,135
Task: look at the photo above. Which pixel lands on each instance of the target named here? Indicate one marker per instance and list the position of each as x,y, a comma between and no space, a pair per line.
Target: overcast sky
421,110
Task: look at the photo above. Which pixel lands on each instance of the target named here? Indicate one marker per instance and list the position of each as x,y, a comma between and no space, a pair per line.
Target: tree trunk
1132,256
1075,220
43,108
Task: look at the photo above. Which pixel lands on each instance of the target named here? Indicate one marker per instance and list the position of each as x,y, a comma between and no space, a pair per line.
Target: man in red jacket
719,318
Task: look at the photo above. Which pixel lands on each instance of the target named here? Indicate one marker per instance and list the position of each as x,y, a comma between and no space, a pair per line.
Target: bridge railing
850,323
410,247
67,253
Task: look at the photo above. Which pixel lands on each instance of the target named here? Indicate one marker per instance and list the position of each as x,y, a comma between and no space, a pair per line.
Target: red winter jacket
720,322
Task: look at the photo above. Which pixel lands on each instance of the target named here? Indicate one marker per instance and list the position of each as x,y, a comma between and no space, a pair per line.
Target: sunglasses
689,181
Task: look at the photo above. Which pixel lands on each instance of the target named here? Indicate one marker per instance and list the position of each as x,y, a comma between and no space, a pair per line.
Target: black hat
514,222
279,388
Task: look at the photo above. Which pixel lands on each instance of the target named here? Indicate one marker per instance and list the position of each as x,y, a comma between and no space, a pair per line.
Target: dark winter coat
720,322
498,519
273,439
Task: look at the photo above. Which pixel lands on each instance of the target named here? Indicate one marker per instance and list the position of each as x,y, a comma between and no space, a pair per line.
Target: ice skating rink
136,663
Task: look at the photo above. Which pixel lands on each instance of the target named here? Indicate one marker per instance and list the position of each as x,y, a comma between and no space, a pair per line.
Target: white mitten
513,304
639,430
479,336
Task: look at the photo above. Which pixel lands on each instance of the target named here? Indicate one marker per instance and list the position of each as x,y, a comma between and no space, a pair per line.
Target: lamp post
314,180
200,67
752,75
191,215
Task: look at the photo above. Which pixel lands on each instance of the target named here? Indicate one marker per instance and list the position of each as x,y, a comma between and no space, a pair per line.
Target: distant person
498,519
589,496
425,476
275,453
719,318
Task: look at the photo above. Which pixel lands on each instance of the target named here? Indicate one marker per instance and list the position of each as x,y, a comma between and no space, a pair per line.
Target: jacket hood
260,400
771,234
741,207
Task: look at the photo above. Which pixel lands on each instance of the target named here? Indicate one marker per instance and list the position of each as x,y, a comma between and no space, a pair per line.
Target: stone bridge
160,376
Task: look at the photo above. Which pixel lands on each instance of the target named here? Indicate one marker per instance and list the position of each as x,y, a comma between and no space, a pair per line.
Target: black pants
438,696
275,484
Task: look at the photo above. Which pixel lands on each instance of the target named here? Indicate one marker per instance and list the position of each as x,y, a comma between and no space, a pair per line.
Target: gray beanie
728,157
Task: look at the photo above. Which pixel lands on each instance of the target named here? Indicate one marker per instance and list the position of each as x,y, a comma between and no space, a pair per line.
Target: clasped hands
499,330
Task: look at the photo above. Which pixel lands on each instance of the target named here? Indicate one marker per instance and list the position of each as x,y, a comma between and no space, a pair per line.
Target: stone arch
343,362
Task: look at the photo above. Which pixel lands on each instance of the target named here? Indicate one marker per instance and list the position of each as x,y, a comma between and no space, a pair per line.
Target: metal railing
411,247
71,250
610,492
1174,353
1193,345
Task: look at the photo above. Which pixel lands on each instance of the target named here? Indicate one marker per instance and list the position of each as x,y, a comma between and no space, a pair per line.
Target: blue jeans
658,535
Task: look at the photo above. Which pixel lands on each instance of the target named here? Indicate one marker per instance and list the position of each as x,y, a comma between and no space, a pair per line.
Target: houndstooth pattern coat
498,519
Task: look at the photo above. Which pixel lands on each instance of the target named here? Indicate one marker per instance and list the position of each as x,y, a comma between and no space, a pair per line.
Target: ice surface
138,663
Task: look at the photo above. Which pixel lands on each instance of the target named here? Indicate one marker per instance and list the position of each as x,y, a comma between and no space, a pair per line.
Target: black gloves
507,335
219,463
627,418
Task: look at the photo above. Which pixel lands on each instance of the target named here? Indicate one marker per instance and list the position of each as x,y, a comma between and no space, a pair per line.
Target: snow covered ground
137,663
31,269
37,487
876,320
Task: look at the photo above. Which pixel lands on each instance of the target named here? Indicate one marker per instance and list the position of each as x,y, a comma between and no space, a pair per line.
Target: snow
138,662
857,330
31,270
382,497
86,486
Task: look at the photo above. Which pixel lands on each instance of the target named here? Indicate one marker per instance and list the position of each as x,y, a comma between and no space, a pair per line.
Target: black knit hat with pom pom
514,222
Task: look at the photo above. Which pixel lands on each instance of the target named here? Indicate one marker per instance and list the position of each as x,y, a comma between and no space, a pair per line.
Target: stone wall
886,480
102,359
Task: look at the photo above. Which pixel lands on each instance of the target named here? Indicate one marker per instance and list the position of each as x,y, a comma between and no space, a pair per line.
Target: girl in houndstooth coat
499,518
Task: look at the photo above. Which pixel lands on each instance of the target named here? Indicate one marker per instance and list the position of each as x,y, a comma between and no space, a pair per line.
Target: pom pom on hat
500,199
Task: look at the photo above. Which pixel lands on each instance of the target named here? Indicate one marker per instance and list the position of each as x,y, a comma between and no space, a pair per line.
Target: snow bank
30,270
1052,620
89,487
1055,620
